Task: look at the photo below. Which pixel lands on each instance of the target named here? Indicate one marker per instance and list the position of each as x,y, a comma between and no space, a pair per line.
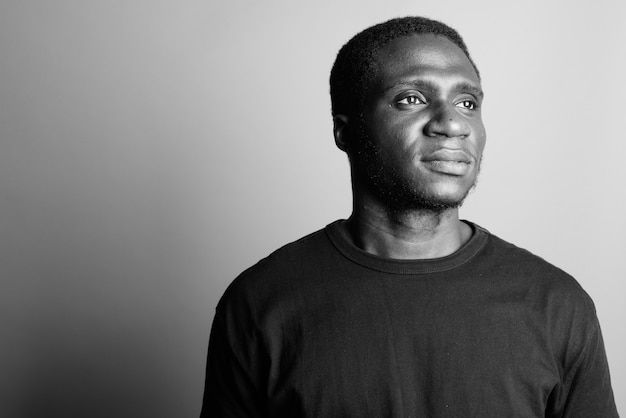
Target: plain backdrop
151,150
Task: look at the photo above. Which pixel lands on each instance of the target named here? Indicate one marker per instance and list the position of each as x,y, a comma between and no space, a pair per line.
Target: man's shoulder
282,268
533,271
512,256
295,254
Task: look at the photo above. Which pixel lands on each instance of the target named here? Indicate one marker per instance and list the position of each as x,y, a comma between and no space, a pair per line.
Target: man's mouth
451,162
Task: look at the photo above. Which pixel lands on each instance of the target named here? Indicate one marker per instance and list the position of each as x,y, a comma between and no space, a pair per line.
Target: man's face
421,131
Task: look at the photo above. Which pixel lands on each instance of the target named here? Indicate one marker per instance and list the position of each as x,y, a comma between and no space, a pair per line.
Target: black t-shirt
321,328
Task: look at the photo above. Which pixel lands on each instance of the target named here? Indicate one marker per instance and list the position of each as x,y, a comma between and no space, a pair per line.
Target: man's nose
446,121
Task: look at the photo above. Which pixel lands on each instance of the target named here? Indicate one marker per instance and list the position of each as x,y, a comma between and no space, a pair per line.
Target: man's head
356,64
407,111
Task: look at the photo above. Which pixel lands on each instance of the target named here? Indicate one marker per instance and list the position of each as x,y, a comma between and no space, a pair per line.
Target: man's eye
467,104
410,100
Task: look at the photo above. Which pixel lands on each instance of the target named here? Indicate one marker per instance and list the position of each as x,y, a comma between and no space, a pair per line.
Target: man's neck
416,234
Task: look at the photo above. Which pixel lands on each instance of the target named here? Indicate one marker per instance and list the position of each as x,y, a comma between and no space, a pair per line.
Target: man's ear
341,132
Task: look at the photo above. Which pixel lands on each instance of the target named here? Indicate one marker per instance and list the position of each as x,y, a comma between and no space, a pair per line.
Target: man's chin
406,195
406,202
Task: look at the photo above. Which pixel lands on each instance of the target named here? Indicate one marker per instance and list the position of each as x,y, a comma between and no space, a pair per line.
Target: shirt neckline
389,265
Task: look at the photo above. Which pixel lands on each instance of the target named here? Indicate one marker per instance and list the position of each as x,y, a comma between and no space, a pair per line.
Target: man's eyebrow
472,88
430,86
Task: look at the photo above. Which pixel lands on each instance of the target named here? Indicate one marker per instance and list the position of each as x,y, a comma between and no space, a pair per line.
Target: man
403,310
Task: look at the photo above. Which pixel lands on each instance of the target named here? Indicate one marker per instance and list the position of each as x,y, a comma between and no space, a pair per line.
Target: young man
403,310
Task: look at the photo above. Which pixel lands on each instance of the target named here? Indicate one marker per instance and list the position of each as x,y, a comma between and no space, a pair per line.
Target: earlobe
341,132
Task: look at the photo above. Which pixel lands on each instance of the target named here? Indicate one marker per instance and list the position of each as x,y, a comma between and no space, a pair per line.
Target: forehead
423,56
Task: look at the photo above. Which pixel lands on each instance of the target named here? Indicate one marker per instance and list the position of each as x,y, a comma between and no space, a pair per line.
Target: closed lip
455,156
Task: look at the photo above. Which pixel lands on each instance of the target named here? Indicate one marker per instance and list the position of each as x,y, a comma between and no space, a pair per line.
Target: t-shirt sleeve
232,380
586,390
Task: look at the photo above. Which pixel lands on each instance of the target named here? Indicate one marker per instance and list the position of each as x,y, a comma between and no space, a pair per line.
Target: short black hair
355,66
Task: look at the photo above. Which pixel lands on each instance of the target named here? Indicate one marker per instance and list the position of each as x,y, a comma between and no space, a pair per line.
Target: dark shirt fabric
321,328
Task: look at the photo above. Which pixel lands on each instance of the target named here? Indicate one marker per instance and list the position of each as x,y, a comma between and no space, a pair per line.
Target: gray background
151,150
